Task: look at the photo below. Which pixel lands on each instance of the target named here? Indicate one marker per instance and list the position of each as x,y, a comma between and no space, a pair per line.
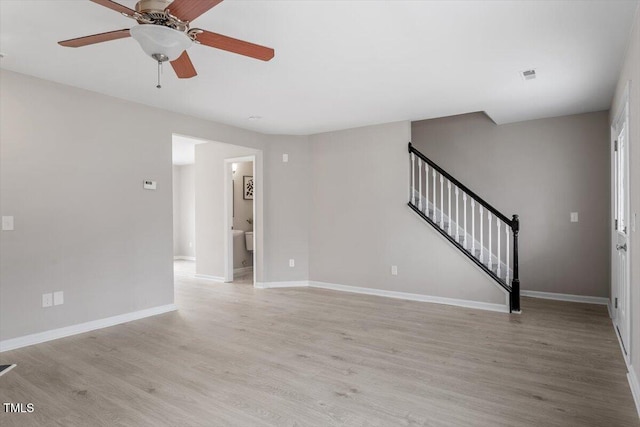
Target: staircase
477,229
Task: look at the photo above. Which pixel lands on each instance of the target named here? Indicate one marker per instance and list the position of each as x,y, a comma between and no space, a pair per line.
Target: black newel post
515,283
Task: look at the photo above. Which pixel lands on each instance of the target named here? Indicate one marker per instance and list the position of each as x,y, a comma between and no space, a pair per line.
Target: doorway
240,213
620,267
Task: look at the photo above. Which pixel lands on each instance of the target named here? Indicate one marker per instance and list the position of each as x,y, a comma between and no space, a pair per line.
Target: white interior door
620,238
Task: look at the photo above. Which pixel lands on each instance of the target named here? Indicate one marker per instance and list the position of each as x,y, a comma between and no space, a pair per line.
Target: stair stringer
482,275
494,259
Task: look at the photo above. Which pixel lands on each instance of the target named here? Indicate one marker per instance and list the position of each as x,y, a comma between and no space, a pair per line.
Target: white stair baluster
481,239
449,209
473,227
506,240
489,231
464,203
426,189
420,184
457,222
435,199
441,201
413,179
498,222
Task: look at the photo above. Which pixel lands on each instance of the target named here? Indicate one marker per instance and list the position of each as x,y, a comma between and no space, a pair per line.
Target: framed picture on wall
247,193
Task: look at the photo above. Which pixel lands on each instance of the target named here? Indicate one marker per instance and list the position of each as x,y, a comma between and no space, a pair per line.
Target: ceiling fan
164,33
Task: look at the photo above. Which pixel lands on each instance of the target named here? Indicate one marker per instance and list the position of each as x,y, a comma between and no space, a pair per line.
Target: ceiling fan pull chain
159,72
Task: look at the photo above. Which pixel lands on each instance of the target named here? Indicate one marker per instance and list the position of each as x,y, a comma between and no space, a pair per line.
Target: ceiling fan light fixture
162,42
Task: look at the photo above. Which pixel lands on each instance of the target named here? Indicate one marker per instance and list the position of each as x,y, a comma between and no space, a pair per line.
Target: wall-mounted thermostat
149,185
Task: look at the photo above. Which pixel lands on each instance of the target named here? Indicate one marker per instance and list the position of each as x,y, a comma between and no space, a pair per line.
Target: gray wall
284,197
361,224
72,164
184,211
210,213
243,209
291,196
542,170
631,73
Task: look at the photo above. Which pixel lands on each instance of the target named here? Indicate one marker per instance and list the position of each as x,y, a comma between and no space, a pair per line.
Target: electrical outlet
394,270
58,298
292,262
574,216
7,223
47,300
148,184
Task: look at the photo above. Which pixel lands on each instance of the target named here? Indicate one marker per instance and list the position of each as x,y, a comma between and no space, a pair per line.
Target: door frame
228,216
621,116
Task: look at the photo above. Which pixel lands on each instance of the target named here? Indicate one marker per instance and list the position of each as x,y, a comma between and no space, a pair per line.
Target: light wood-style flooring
238,356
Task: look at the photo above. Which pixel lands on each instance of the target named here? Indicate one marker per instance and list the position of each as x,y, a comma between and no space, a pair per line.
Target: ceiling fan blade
184,67
95,38
115,6
240,47
188,10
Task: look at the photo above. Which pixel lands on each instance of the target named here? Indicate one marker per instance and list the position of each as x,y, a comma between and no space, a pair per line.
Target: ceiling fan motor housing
152,6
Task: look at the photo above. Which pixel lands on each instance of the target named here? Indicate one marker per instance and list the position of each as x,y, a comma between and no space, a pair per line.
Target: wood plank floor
237,356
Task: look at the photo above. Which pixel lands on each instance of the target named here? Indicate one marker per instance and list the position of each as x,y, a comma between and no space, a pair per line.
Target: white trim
502,308
565,297
8,369
53,334
291,284
623,113
207,277
185,258
634,383
242,270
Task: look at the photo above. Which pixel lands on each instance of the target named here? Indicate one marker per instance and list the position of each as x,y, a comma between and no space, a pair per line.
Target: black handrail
514,224
463,187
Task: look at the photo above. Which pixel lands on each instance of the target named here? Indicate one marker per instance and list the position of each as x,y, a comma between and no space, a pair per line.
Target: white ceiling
342,64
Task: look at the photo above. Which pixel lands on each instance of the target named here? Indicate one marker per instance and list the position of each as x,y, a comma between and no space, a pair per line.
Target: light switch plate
292,262
149,185
58,298
285,158
47,300
574,216
7,223
394,270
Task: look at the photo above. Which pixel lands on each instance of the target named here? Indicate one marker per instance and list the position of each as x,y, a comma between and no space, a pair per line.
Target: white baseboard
8,369
565,297
242,270
634,383
412,297
40,337
383,293
291,284
185,258
207,277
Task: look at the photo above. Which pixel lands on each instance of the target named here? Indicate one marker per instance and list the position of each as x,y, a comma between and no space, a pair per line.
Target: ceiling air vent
528,74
